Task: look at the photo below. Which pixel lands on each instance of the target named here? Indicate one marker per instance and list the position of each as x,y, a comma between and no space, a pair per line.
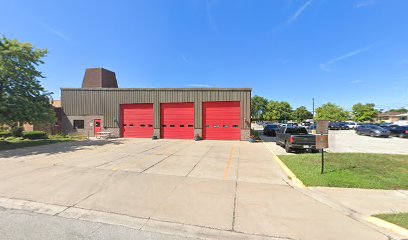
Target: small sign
322,141
322,127
91,124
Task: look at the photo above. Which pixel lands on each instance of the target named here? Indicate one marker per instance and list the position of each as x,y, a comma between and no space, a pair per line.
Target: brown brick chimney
99,78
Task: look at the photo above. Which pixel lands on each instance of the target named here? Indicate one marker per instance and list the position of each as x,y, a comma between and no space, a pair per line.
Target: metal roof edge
158,89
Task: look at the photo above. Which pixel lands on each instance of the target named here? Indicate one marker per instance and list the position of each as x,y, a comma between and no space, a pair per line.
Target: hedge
35,135
5,134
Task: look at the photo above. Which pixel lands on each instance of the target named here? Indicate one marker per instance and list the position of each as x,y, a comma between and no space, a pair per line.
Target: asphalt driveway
226,186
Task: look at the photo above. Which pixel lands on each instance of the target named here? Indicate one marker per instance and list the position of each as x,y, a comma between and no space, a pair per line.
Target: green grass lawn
351,170
12,143
400,219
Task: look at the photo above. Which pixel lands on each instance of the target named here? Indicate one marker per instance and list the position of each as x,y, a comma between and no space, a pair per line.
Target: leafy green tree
401,110
278,111
22,98
331,112
258,107
301,113
364,112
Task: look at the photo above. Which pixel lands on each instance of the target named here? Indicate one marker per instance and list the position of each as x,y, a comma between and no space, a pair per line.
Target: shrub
5,134
35,135
17,131
254,134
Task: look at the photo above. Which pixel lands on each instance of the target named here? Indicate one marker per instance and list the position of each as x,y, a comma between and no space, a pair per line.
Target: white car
352,125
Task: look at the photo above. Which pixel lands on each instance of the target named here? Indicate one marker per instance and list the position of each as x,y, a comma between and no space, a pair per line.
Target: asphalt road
17,224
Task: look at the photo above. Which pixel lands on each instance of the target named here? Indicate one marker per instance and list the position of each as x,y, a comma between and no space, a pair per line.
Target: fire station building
172,113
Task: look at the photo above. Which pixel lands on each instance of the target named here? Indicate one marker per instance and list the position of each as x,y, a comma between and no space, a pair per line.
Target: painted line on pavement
229,163
288,172
387,225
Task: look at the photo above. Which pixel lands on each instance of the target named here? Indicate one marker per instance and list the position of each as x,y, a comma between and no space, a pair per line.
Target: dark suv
399,131
334,126
270,130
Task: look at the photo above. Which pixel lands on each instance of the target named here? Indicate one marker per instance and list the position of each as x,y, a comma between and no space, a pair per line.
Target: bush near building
35,135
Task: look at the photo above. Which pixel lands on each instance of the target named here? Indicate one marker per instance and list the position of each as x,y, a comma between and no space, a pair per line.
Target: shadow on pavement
56,148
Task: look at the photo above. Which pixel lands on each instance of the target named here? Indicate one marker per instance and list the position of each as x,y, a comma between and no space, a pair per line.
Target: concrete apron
222,191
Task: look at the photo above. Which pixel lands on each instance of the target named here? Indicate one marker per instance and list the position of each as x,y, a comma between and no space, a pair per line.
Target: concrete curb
387,225
289,173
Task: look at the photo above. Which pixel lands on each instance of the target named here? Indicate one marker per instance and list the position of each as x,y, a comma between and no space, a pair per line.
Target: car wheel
287,148
372,134
358,133
401,135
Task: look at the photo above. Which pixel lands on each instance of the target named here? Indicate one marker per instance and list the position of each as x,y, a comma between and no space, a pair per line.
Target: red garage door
177,120
221,121
137,120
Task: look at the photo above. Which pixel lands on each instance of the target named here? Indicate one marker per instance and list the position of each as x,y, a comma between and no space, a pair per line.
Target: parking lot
349,141
225,187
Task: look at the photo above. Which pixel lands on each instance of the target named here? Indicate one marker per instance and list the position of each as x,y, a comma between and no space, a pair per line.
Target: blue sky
343,51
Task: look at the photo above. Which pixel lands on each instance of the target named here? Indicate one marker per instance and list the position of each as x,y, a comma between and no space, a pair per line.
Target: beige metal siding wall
82,102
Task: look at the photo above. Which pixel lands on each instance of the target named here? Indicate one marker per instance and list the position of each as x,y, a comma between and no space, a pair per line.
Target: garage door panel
221,120
137,120
177,120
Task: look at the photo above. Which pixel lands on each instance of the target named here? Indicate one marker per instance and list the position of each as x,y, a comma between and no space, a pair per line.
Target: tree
331,112
301,113
278,111
22,98
364,112
401,110
258,106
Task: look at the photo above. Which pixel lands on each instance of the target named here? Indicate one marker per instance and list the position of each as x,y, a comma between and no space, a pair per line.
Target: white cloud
324,66
209,4
54,31
184,58
299,12
199,85
366,3
356,81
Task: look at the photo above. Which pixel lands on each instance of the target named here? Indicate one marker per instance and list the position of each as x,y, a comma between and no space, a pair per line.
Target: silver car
372,130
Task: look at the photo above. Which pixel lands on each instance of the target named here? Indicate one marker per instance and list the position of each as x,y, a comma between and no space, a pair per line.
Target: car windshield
376,127
297,130
272,126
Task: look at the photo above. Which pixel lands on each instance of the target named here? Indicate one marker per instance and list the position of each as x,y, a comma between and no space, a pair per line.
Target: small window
142,125
172,126
131,125
79,124
164,125
98,124
124,124
216,126
181,126
190,126
150,125
234,126
225,126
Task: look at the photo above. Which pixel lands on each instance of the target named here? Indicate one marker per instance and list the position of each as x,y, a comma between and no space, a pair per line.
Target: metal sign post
322,140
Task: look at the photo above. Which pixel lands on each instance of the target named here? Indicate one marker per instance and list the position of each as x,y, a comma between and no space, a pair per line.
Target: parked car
373,131
311,128
399,131
388,126
343,126
270,129
334,126
296,138
351,125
